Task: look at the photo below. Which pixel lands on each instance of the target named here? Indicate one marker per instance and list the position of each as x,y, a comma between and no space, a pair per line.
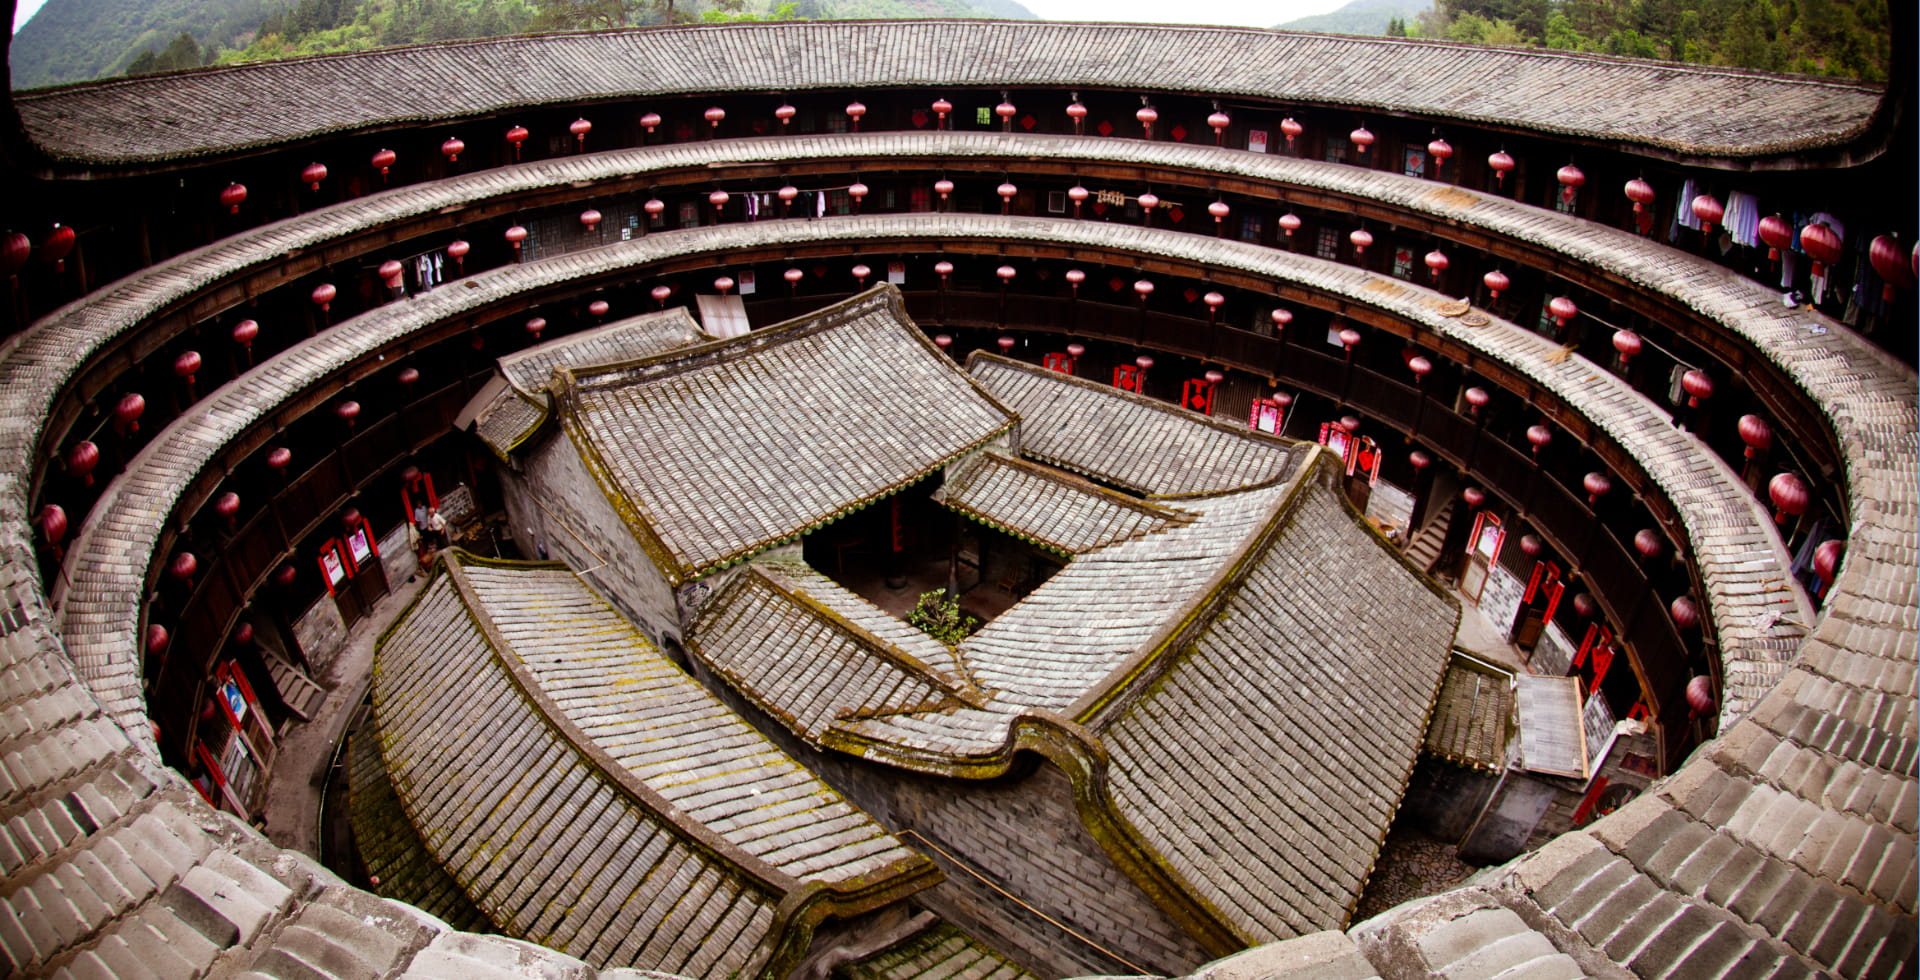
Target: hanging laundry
1743,218
1683,210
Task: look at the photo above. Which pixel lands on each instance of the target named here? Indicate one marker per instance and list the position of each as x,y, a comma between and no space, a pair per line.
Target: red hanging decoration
1777,233
81,460
1756,433
58,244
1890,262
232,196
452,149
1500,162
383,160
1790,496
1596,485
1686,614
1698,386
126,414
313,175
1640,193
1496,283
1700,695
1822,245
1649,543
1709,210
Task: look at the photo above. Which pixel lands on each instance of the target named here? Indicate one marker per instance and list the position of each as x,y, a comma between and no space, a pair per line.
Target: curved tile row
1685,109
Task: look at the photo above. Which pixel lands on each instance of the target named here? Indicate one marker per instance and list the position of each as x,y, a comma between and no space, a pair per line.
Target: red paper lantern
1289,223
714,117
1596,485
1571,180
126,414
348,412
1290,128
941,107
1075,350
598,308
1890,262
1284,399
1349,424
59,242
580,128
53,524
1586,605
654,207
187,364
1417,459
1420,366
1826,558
942,341
184,566
457,250
1147,115
1144,362
785,113
231,196
1074,278
383,160
660,294
1219,210
1362,138
1361,238
452,148
1149,201
408,376
1540,436
243,634
1686,614
1006,344
1349,338
943,268
1563,309
793,276
1532,546
860,274
1281,318
15,250
1756,433
1790,496
1143,288
943,187
1649,542
1006,192
227,505
1214,300
1777,233
514,236
1477,399
1700,695
590,219
1437,262
1640,193
286,576
1441,150
278,458
1627,343
719,198
156,639
536,326
323,295
516,136
1005,272
854,111
1697,385
1078,195
313,175
1474,497
391,271
650,120
1496,283
1005,111
1076,111
1709,210
722,283
1500,162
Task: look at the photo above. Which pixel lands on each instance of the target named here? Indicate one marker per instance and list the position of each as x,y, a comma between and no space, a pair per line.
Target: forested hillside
1846,38
74,40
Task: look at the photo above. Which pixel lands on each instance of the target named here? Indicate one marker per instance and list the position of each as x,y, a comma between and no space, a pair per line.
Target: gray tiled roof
1267,762
388,845
1048,506
1139,443
744,443
509,417
630,339
812,654
600,755
1695,110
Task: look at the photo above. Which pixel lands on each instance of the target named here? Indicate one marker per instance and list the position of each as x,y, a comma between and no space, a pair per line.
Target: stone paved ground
1411,865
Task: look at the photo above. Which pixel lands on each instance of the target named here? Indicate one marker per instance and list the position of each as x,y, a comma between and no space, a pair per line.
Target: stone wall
558,511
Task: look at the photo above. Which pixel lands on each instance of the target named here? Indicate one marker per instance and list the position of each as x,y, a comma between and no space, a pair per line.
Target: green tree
940,617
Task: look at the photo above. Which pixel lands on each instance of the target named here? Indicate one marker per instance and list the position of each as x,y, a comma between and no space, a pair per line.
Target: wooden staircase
1423,549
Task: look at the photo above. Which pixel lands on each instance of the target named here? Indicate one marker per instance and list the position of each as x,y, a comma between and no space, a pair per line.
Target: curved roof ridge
1703,112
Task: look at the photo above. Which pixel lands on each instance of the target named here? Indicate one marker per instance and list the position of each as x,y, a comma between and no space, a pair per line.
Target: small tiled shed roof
811,654
508,418
513,703
721,451
1692,110
1266,763
1138,443
1474,716
1049,507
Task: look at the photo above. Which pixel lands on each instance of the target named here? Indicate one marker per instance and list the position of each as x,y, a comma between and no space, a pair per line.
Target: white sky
1240,13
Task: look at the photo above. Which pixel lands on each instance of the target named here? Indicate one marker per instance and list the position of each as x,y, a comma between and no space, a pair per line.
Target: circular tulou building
959,499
